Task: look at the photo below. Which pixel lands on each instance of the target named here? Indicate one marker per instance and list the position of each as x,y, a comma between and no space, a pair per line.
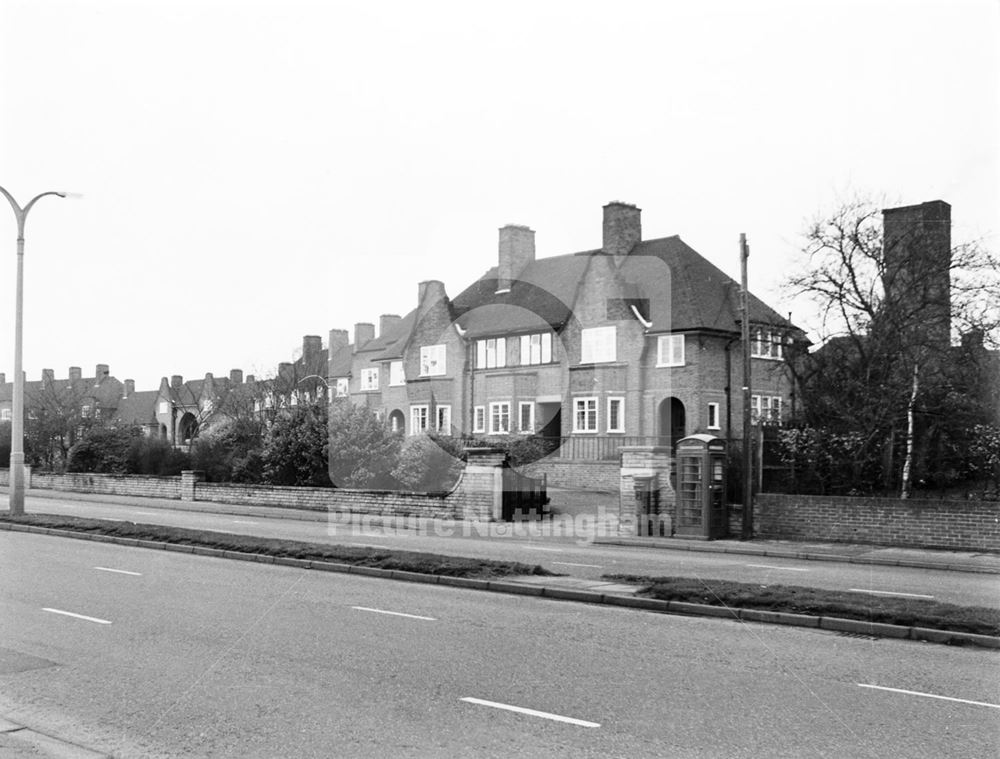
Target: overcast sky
256,171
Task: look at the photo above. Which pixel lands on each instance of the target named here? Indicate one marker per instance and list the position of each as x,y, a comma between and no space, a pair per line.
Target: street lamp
17,427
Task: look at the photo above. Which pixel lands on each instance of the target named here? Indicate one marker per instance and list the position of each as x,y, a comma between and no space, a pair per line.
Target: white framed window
585,415
164,407
5,415
765,343
342,387
432,360
396,374
670,350
616,414
598,345
207,406
526,416
499,418
479,419
444,419
294,399
765,408
419,418
713,416
491,353
369,379
536,349
85,411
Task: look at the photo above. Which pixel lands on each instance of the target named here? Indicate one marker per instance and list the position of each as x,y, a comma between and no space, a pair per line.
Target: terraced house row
634,342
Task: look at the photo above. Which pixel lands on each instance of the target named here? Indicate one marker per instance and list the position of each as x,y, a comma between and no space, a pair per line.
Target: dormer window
491,353
766,343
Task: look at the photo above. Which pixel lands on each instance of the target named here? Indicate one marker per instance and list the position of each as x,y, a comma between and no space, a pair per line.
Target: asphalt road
146,653
568,556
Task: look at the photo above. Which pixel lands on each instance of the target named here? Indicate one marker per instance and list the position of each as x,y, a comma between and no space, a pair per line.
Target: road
567,556
145,653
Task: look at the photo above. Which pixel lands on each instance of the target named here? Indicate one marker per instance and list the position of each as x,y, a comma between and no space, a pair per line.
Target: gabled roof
138,408
391,345
671,284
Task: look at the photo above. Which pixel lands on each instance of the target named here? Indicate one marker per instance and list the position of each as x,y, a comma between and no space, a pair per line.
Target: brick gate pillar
645,464
189,480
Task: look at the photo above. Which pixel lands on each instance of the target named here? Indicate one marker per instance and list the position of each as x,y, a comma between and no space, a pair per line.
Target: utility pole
747,527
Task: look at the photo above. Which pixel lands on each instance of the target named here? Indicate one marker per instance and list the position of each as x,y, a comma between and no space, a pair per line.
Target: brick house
635,342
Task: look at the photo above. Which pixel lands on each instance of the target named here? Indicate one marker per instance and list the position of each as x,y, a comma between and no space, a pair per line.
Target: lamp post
17,426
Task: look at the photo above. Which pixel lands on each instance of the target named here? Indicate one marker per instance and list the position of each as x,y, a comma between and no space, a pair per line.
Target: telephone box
702,511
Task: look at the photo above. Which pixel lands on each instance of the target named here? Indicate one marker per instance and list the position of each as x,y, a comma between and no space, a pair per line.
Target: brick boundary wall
474,496
911,523
603,476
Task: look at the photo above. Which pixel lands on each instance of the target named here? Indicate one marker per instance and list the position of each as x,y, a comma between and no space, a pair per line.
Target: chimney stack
75,374
387,323
312,345
176,381
48,375
429,292
517,250
236,376
3,378
129,388
339,339
101,371
364,332
622,229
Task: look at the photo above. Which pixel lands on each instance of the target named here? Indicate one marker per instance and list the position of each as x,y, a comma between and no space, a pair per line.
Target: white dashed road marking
929,695
889,593
78,616
394,613
119,571
572,564
540,548
786,569
532,712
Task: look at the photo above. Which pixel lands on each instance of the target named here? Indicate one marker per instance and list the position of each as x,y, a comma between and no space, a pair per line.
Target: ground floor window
419,416
616,414
479,419
585,415
499,418
526,417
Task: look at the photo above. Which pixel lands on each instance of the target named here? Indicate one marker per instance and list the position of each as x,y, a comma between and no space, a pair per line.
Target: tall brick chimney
236,376
622,228
364,332
388,322
129,388
48,375
101,371
917,281
430,292
176,380
339,339
516,251
311,347
75,373
3,378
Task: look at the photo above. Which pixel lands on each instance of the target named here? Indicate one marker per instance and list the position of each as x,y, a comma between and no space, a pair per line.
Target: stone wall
601,476
917,523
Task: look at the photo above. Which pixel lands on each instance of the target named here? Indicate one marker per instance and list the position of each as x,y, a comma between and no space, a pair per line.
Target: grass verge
408,561
909,612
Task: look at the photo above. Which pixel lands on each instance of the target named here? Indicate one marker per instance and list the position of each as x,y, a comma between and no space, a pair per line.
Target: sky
253,172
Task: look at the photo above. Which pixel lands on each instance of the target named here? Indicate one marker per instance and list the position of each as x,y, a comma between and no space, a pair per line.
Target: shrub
362,450
429,464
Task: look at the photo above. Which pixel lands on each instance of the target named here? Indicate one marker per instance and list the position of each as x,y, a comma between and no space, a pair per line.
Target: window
585,415
418,419
444,419
479,419
85,411
616,414
369,379
342,387
536,349
5,415
670,350
526,416
713,416
432,360
765,408
598,344
499,418
765,343
491,353
164,407
396,375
